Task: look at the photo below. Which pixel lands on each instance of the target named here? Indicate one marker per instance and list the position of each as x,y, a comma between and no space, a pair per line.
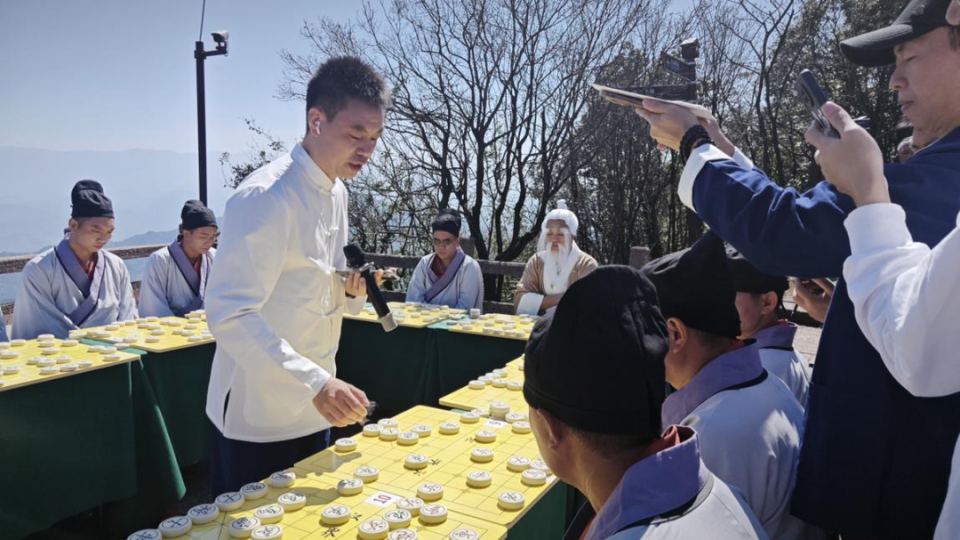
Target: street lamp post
200,55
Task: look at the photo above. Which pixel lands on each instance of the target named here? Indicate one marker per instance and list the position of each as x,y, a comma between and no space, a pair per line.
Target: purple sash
91,291
447,277
197,282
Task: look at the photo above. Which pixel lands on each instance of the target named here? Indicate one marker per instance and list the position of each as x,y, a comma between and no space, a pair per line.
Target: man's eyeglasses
445,242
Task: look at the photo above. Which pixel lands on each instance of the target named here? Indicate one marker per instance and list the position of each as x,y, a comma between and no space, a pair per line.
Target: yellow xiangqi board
409,314
156,335
468,398
321,493
450,461
32,359
497,325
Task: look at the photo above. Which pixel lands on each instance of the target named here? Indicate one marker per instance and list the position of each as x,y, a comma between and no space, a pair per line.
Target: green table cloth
73,444
395,369
179,380
462,357
548,519
416,366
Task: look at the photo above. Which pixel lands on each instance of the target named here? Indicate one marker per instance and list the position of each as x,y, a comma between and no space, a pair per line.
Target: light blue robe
164,292
47,295
465,291
3,329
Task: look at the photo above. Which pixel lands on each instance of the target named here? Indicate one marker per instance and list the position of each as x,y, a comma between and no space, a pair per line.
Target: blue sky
119,74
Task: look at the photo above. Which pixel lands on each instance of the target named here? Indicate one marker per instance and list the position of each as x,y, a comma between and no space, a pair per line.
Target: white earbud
316,126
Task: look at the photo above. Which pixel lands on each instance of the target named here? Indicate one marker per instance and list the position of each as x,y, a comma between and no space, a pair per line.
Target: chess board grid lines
468,399
453,453
409,321
30,374
168,342
321,492
479,332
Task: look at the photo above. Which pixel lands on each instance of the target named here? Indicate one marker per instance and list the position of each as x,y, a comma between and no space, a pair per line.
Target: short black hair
619,442
714,343
343,78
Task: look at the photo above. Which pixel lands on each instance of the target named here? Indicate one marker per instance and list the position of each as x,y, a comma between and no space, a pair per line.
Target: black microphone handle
376,298
373,293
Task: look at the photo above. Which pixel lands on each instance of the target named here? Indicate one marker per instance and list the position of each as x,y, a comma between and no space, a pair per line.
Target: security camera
690,49
221,37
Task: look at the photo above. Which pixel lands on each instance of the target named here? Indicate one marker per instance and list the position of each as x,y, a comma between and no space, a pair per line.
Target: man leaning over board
275,301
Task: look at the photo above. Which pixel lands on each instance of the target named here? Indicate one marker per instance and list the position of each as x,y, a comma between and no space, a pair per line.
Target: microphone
357,262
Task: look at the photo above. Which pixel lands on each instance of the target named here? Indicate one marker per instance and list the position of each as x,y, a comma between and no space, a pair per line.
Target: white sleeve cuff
700,156
530,304
877,226
318,379
355,305
742,159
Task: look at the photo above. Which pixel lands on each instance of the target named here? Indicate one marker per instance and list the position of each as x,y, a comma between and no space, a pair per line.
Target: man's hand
720,139
341,403
813,302
357,286
668,123
853,163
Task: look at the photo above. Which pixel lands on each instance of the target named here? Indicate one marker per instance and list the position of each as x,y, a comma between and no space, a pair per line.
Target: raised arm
778,229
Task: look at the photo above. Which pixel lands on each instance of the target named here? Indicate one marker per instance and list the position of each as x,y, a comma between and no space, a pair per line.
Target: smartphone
813,97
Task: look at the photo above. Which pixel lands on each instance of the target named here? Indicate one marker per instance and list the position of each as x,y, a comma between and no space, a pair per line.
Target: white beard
553,260
557,266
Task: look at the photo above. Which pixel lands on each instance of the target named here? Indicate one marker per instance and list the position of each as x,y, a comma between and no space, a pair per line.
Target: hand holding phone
810,92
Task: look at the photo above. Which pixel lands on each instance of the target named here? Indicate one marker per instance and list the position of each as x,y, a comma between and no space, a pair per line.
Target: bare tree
494,115
488,94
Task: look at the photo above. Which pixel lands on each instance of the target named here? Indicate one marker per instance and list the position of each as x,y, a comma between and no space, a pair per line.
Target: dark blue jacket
875,460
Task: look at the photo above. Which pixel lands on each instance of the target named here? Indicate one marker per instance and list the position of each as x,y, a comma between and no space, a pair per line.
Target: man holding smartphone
875,459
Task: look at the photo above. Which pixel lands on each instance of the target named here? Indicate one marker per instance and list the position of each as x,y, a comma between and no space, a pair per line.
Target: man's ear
316,119
770,303
555,431
679,334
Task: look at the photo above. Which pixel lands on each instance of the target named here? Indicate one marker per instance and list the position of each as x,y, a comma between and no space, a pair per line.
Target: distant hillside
146,239
148,189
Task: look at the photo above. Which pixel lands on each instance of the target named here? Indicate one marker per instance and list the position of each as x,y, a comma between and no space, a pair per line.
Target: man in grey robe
448,276
76,284
175,279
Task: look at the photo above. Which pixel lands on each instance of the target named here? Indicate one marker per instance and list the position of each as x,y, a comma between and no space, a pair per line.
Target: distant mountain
146,239
149,238
148,189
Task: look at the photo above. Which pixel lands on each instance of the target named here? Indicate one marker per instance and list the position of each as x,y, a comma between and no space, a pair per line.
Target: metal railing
638,257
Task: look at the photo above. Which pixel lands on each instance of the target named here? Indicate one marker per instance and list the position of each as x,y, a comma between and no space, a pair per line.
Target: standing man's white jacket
274,302
905,295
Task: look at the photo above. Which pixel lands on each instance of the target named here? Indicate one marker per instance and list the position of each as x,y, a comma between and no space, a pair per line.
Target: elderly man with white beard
557,264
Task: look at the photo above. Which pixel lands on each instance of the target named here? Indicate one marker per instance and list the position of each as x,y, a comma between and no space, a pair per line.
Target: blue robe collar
652,487
734,368
779,336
